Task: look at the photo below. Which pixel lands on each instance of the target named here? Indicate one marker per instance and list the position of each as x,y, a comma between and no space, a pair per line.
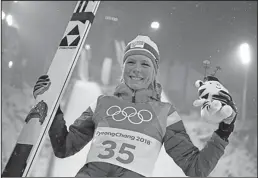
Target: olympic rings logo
116,110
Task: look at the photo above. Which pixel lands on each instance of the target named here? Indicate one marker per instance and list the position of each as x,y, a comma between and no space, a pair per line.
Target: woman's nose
137,68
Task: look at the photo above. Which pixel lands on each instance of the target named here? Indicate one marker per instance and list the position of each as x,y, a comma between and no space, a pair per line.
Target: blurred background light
155,25
9,20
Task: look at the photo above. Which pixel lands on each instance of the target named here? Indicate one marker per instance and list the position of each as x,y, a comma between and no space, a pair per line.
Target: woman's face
138,72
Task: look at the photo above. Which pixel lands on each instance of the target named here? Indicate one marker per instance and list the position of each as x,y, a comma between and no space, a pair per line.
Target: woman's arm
66,143
189,158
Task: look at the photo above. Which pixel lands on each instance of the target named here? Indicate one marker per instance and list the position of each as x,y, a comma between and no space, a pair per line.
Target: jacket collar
141,96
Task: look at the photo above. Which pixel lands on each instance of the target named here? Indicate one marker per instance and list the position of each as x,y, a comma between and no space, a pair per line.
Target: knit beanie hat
143,45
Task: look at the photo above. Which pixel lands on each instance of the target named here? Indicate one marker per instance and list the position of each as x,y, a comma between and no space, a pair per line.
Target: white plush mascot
215,101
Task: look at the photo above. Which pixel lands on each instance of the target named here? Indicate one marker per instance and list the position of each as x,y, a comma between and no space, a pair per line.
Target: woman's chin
136,86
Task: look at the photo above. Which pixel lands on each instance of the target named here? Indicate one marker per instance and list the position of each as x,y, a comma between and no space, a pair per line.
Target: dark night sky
195,31
190,32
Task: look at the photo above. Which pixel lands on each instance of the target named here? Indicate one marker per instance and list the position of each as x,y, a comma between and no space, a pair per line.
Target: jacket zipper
133,97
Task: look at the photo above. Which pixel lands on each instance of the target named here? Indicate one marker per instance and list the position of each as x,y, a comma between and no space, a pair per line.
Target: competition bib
129,149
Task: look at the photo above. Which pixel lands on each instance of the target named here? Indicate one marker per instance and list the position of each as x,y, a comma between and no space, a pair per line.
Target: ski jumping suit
127,137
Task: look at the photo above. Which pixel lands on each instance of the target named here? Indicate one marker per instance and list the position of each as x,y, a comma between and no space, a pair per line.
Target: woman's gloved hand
216,103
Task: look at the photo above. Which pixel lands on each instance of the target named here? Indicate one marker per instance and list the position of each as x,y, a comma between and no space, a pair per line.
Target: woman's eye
145,64
130,62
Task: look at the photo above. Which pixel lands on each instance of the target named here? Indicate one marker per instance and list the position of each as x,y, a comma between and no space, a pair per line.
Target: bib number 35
123,150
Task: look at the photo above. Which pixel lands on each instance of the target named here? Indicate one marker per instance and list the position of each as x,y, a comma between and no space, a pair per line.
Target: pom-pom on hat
143,45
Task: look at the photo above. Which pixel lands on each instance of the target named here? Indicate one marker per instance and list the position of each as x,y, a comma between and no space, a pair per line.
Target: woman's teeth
136,78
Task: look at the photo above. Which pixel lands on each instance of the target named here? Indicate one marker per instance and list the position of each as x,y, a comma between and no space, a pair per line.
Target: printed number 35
122,150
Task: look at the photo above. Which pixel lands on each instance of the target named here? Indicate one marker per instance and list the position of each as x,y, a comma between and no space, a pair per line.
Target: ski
40,118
